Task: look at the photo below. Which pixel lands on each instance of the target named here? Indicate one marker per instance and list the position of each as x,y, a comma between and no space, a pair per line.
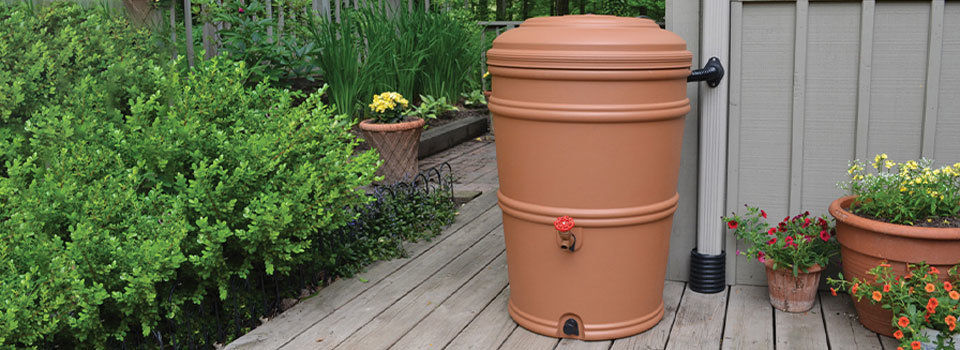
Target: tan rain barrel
588,117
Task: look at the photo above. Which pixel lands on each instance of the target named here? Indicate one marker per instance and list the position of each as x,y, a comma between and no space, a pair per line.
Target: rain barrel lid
589,42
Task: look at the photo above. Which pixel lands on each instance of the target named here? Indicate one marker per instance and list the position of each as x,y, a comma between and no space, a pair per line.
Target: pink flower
760,256
824,235
240,9
773,240
806,222
763,213
789,241
772,231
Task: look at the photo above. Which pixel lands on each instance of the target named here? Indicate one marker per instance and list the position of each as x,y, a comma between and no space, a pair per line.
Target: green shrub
204,181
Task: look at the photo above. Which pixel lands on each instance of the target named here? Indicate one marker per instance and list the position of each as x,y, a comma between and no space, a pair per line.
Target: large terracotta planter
865,243
588,114
398,145
792,293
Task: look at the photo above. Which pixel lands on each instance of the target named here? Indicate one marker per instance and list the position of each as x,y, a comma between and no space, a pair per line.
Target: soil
936,222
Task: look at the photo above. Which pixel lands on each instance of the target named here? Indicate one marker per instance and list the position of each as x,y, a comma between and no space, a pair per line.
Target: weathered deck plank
573,344
888,343
450,317
335,327
749,322
802,331
844,331
489,329
277,331
699,322
656,337
522,339
393,323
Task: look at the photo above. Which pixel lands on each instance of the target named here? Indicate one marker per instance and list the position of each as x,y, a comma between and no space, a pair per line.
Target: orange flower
877,296
930,288
954,295
911,290
915,345
886,288
898,334
947,286
932,305
833,291
899,348
903,322
885,264
934,271
853,290
951,321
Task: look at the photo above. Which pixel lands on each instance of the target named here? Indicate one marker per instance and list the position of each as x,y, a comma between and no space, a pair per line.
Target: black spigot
712,73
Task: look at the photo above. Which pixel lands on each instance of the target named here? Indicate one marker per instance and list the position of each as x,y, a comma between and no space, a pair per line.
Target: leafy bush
263,41
204,181
909,193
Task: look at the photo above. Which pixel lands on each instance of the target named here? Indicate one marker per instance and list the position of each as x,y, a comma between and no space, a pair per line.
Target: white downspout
714,42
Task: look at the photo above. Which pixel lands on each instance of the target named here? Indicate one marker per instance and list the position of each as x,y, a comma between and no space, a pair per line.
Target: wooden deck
451,293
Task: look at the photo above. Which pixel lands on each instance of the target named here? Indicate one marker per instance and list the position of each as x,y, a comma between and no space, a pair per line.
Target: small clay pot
398,145
865,243
792,293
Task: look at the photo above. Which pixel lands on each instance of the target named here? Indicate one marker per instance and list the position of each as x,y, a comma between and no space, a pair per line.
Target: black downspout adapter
712,73
707,272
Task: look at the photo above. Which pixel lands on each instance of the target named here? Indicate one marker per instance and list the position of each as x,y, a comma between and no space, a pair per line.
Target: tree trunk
502,6
173,29
188,21
563,7
482,8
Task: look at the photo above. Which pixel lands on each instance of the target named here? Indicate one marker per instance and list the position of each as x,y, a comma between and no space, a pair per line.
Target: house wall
815,84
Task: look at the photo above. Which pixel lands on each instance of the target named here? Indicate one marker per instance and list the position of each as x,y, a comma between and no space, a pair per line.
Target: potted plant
901,213
794,252
395,134
924,308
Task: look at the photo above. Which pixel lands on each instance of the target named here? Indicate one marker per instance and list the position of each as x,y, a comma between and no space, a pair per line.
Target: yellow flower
903,189
888,164
486,74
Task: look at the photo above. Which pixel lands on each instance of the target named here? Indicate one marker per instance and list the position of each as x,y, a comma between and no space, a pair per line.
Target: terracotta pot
792,293
865,243
487,94
398,145
588,114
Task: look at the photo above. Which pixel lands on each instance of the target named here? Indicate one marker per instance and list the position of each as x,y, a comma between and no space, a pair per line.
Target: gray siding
816,84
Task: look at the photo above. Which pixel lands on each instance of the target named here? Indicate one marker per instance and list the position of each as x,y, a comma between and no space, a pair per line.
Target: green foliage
141,202
795,243
430,107
921,299
474,98
411,52
909,193
205,180
254,37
